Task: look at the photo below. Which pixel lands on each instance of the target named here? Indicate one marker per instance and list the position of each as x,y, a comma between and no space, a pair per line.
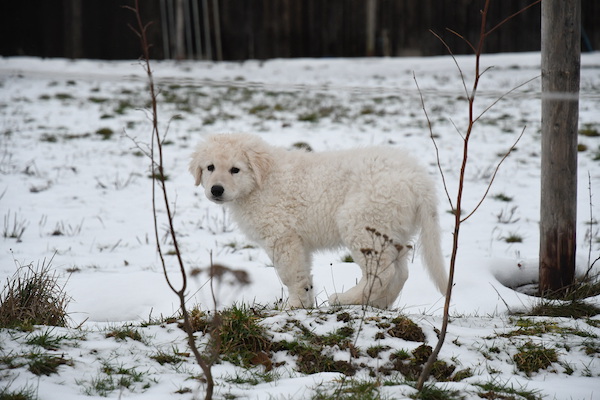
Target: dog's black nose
217,190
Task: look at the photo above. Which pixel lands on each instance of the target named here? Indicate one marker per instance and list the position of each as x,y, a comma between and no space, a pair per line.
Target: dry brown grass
33,296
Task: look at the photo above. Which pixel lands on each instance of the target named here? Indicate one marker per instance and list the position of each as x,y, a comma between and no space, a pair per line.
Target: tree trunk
179,30
561,24
217,26
73,30
371,22
207,42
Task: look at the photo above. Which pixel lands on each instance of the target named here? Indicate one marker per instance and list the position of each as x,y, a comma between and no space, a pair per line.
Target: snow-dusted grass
304,349
75,186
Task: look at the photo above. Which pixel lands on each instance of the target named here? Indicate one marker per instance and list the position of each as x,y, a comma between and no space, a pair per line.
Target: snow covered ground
75,188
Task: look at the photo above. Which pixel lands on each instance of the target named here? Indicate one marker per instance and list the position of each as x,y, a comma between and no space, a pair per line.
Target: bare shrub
159,189
14,229
466,136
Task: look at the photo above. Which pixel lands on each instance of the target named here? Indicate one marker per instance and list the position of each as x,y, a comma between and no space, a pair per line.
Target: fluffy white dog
371,200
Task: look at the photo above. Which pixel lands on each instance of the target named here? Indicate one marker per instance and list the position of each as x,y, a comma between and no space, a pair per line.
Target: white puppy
371,200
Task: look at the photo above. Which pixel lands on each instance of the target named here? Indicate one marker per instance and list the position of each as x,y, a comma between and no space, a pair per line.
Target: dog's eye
234,170
211,168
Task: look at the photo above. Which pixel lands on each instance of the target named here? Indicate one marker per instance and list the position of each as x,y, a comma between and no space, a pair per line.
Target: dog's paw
333,300
338,299
300,302
301,297
346,299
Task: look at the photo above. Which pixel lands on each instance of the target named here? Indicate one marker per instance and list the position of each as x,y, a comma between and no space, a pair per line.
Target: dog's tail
431,249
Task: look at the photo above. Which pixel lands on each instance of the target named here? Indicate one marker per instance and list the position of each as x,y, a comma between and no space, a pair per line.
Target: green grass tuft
46,364
25,393
47,340
31,297
495,391
111,378
589,131
570,309
405,329
167,358
106,133
242,340
126,332
349,389
532,357
513,238
63,96
432,392
527,327
502,197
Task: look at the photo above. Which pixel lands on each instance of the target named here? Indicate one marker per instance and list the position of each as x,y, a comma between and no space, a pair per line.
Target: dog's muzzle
217,192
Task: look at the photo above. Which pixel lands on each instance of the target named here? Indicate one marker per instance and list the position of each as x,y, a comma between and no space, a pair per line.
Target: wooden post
561,27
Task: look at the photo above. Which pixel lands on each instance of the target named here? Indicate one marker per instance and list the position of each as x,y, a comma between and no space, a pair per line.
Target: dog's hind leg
292,263
381,282
400,278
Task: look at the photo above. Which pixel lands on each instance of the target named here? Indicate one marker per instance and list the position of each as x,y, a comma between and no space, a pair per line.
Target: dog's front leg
292,262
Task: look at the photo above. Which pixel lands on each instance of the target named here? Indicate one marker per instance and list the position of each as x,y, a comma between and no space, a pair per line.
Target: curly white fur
371,200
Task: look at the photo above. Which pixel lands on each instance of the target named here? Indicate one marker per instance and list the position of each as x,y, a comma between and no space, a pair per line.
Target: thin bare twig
462,76
489,186
456,129
504,95
158,178
587,273
505,20
437,150
591,222
591,234
463,38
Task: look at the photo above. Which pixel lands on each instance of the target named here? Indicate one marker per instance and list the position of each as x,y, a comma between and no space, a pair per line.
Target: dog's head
230,166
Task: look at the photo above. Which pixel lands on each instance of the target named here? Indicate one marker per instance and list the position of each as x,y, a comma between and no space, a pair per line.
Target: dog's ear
195,167
260,163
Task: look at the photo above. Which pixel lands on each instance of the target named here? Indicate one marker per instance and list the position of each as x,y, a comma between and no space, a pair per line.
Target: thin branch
437,150
489,186
212,287
587,273
505,20
463,38
456,128
135,31
462,76
591,221
590,264
482,37
502,298
486,70
504,95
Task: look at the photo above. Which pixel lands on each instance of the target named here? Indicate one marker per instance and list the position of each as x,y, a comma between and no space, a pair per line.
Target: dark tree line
262,29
